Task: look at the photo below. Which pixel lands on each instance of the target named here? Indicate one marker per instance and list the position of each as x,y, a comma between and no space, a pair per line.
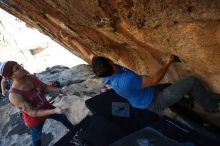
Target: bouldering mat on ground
115,119
109,103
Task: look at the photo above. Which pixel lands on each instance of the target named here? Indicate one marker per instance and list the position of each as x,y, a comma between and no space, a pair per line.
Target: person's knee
187,81
192,78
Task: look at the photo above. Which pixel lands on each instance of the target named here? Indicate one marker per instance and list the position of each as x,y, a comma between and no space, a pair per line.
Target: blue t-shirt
128,84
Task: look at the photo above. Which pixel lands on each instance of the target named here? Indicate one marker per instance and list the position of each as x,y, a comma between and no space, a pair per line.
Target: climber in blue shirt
128,84
142,91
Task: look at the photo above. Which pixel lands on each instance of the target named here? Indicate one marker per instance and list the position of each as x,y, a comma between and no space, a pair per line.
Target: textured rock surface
138,34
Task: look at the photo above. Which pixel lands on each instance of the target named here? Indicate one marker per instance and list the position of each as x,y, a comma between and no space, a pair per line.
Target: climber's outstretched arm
84,50
151,81
88,54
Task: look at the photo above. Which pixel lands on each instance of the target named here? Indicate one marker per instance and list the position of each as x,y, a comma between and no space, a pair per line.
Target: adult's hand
66,91
60,110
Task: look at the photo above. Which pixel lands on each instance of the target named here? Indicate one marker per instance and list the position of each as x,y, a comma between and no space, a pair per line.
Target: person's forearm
3,86
82,48
2,89
50,89
85,51
88,54
41,112
161,72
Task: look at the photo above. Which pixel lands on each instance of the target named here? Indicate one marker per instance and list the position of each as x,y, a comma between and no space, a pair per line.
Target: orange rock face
138,34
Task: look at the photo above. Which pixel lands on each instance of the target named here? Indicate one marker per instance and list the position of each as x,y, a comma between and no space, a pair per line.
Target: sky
16,39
